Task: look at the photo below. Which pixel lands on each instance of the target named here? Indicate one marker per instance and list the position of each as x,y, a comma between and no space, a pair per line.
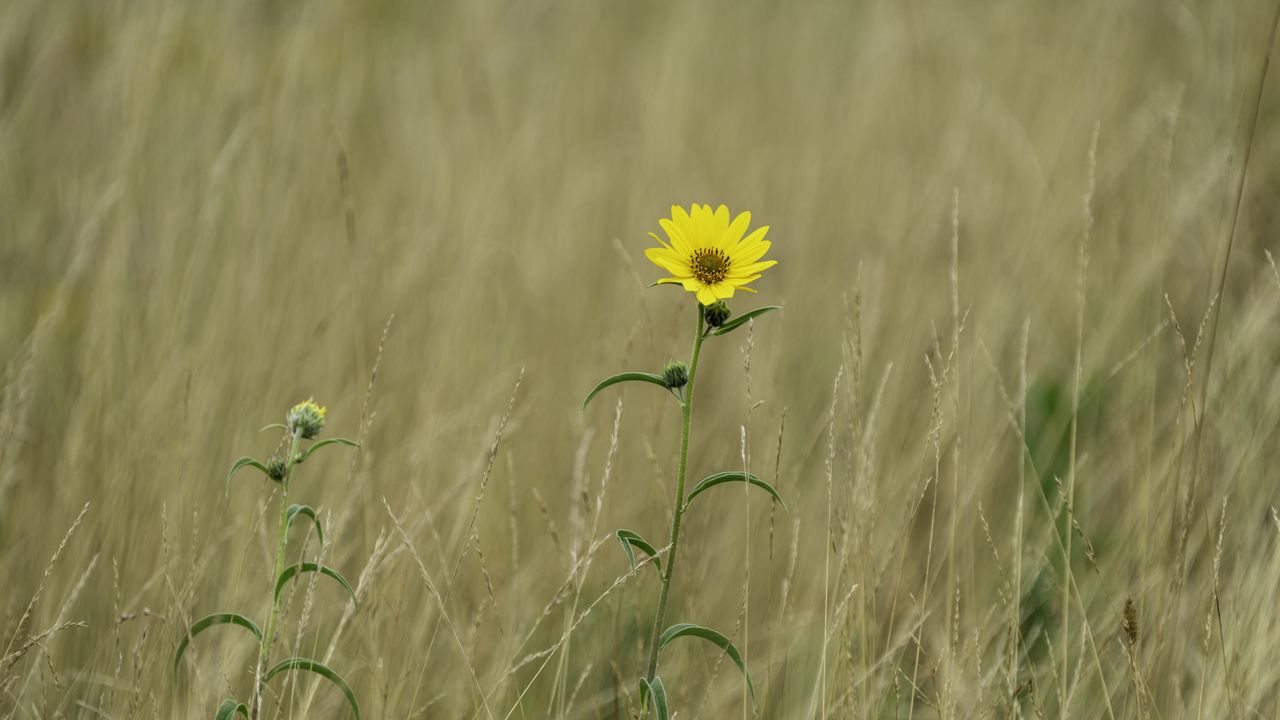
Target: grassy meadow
1022,402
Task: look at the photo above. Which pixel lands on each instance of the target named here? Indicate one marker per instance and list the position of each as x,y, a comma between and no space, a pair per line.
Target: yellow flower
708,254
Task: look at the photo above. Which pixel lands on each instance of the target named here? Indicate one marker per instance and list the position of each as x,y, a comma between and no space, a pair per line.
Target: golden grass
1008,238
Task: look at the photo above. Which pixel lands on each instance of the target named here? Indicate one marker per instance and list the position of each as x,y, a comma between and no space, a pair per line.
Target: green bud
277,468
716,314
306,418
675,374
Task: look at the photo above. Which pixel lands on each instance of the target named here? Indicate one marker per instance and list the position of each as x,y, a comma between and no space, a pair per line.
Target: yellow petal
705,295
734,232
709,233
659,240
700,215
722,218
753,269
667,254
675,268
679,238
748,255
722,290
751,240
740,281
683,224
659,252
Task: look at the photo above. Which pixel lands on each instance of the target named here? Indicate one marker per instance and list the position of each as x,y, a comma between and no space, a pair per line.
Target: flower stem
686,414
268,638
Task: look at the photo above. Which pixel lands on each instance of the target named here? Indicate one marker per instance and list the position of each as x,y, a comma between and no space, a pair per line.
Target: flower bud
717,313
277,468
675,374
306,418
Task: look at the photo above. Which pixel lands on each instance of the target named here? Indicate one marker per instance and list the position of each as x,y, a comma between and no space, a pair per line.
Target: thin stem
686,408
269,637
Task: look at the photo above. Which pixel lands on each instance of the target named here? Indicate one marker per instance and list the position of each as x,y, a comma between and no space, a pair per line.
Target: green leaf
302,457
307,510
245,461
624,377
659,694
287,574
299,663
207,622
275,426
711,636
229,708
629,538
733,476
737,322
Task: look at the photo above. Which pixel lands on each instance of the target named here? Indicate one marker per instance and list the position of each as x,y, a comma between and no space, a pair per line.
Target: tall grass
1040,487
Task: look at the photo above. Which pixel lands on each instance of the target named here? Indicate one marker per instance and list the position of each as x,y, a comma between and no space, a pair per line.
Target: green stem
686,414
269,637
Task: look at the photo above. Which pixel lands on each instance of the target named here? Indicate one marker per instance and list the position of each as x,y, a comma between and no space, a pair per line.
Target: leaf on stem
624,377
328,441
629,538
288,573
229,708
659,694
737,322
207,622
733,476
300,663
308,511
711,636
243,462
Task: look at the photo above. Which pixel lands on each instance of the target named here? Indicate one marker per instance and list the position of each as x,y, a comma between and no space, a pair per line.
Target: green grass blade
245,461
733,476
308,511
229,708
659,695
288,573
741,320
274,426
300,663
328,441
711,636
630,538
624,377
207,622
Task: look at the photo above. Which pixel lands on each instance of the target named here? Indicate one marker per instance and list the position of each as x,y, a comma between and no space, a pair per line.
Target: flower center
710,265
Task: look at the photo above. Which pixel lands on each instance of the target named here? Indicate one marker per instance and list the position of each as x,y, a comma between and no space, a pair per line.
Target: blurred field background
210,211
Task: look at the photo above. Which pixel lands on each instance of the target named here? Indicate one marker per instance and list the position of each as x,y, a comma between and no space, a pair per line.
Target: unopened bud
717,313
675,374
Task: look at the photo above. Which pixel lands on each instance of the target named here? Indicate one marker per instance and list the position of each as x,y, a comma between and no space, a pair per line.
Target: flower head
307,418
708,254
